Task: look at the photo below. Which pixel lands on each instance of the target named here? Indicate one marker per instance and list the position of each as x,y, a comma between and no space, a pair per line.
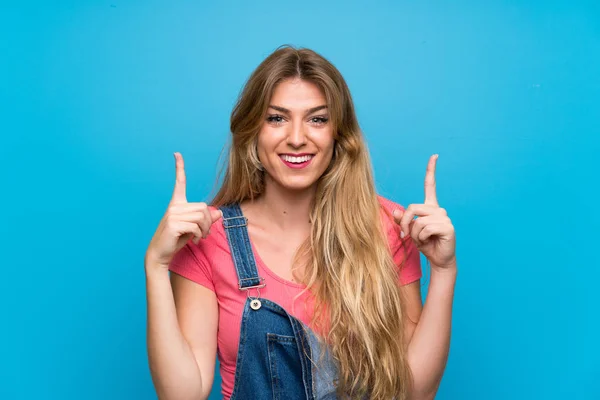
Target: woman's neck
287,210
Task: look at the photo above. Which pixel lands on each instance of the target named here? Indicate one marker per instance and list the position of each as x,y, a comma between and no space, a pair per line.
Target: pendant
255,304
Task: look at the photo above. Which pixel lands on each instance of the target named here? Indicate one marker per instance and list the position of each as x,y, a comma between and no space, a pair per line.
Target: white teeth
296,160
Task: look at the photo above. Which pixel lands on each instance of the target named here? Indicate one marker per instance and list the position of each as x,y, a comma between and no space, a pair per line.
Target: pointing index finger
430,194
179,191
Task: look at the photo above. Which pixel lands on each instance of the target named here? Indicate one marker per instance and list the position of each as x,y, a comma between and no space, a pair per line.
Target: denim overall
275,349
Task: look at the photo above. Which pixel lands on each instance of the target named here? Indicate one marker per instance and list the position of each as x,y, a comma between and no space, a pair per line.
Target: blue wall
95,96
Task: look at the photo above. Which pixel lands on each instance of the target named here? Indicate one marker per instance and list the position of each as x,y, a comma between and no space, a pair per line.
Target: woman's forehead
297,96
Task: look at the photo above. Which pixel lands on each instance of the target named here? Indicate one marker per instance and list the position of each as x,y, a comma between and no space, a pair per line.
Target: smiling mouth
296,159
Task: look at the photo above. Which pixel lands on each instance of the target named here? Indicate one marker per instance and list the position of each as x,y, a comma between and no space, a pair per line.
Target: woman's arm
430,343
181,341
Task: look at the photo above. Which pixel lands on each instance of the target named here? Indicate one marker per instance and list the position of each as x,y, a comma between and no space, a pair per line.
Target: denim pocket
285,368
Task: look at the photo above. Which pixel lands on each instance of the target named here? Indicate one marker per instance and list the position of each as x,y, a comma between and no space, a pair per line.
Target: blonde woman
302,280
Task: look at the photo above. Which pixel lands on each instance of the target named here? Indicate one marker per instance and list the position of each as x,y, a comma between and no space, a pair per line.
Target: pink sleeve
404,251
192,263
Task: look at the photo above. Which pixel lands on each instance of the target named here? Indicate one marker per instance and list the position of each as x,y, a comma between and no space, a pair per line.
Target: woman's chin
298,185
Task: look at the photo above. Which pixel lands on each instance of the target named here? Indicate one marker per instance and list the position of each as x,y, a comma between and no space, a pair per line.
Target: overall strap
235,225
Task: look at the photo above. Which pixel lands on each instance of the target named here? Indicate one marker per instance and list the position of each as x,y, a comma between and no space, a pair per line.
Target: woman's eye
276,119
319,120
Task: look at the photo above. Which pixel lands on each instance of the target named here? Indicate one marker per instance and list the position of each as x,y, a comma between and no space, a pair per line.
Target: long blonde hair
358,306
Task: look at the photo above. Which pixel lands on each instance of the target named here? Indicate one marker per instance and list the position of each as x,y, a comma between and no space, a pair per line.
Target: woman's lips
292,160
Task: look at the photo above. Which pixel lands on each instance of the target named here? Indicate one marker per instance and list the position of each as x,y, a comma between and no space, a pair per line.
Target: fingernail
402,234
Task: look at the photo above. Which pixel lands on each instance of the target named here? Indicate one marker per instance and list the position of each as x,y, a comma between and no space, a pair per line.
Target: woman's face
295,143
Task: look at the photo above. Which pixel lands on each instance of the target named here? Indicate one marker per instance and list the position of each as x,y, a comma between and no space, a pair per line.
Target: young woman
301,278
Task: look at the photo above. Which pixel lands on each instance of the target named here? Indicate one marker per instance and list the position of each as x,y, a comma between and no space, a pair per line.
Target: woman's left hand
432,230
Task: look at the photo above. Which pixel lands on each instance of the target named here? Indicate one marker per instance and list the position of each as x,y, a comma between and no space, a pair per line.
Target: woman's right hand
181,222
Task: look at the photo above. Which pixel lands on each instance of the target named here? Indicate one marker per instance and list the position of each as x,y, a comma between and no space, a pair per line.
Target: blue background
95,96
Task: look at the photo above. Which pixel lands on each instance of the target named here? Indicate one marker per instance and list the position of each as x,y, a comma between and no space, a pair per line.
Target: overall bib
275,348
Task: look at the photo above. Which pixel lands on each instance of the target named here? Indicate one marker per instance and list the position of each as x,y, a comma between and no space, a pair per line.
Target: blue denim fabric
278,354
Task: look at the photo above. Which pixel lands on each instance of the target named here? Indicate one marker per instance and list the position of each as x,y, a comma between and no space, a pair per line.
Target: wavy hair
358,304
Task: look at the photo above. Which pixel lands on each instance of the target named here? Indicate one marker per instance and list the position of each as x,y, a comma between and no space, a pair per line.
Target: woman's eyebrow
285,110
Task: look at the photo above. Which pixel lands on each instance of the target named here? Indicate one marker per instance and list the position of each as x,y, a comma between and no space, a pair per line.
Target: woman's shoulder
389,205
387,208
404,251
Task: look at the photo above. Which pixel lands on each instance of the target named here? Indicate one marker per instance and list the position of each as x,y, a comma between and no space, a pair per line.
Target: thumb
398,218
397,215
215,214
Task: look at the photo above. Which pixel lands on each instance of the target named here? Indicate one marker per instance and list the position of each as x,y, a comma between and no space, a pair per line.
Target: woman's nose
296,135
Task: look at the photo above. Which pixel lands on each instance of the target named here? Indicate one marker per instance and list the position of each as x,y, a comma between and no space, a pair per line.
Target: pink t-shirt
210,264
